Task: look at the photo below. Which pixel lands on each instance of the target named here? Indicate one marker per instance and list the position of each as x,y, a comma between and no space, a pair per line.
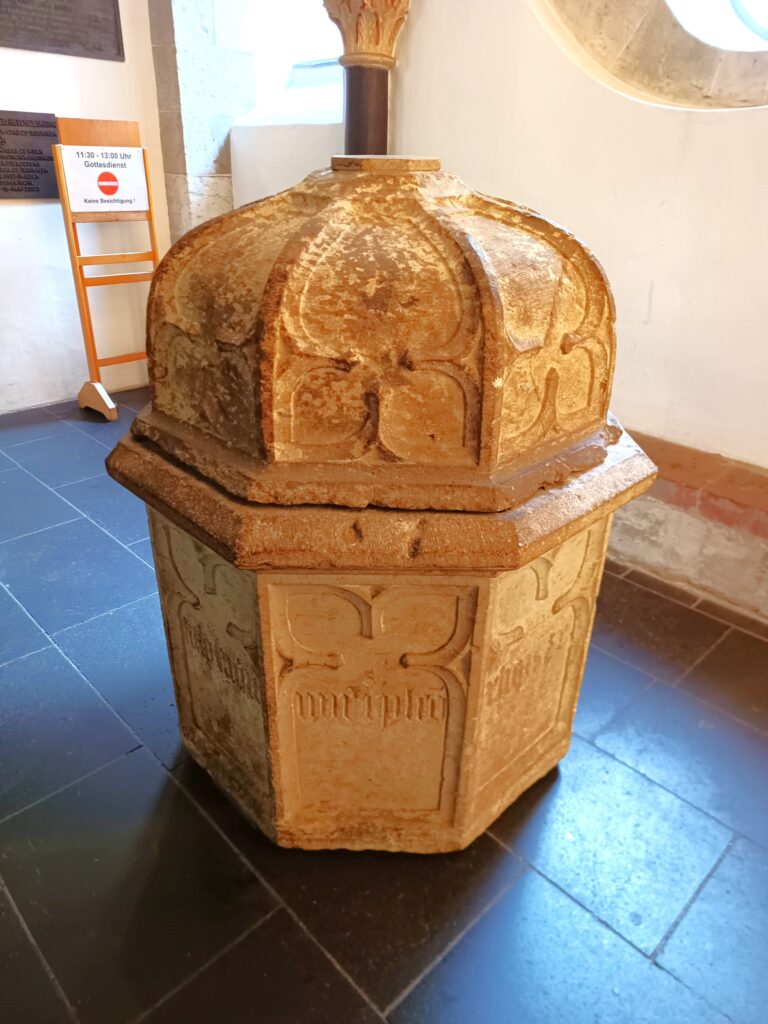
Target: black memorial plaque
26,160
80,28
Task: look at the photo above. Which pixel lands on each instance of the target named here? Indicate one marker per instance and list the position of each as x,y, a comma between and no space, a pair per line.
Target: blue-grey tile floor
629,886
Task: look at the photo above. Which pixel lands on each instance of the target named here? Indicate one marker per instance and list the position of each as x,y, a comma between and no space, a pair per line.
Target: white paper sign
105,179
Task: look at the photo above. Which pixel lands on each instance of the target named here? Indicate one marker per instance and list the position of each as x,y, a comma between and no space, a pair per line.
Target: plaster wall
672,201
42,358
269,158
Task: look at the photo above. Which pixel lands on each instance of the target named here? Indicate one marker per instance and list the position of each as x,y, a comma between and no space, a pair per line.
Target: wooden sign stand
79,132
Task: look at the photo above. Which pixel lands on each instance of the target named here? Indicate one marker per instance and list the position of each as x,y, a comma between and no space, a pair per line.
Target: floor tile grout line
707,814
81,514
271,890
658,681
73,483
33,440
604,650
436,961
649,957
735,625
702,656
254,926
658,593
695,606
652,681
84,515
100,615
131,731
86,433
68,785
43,529
662,944
71,1012
574,899
27,654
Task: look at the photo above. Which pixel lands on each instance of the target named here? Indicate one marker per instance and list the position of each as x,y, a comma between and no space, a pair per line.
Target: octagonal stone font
380,467
368,710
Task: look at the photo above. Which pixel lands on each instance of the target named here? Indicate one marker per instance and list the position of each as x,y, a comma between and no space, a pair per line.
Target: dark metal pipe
366,109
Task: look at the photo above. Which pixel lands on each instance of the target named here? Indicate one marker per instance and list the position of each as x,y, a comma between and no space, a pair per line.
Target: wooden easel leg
94,396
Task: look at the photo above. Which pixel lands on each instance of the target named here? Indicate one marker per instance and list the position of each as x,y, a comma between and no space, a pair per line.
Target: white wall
41,348
269,158
674,204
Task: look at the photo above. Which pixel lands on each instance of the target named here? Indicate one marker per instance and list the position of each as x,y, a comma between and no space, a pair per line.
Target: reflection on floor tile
383,916
276,975
125,887
538,958
27,506
631,852
110,506
55,729
706,757
721,946
70,573
609,685
135,678
652,633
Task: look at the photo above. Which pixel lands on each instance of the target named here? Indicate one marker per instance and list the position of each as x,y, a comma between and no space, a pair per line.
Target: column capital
369,29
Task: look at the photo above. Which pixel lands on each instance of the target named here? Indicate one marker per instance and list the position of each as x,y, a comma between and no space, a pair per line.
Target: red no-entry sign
104,179
107,183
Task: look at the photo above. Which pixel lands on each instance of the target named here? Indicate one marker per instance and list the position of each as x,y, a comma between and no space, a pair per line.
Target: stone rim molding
638,47
369,29
510,393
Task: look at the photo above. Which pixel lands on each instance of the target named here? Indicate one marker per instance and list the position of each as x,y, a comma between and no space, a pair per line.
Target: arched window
727,24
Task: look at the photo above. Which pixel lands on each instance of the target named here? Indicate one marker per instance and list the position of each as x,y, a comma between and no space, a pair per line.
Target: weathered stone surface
396,712
392,337
381,471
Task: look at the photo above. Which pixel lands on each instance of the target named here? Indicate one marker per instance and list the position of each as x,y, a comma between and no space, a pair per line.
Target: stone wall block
193,199
172,142
165,60
161,22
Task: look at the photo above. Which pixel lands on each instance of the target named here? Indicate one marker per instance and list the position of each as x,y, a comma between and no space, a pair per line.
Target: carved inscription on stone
211,615
539,628
370,682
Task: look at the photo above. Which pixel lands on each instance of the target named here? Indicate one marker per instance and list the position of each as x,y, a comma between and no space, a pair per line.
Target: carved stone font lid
381,335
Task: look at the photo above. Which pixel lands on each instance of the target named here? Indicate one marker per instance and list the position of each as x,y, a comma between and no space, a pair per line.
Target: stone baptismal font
380,471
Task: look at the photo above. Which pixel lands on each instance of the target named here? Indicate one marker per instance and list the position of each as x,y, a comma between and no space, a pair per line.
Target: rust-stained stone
381,470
